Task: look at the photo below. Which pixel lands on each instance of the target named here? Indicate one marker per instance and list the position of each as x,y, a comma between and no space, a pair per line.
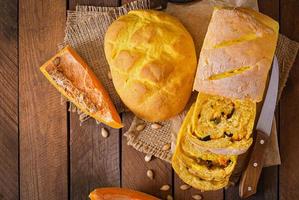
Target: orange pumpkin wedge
113,193
72,77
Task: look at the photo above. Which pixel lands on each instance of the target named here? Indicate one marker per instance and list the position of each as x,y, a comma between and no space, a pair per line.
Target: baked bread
222,125
234,62
196,182
200,169
153,62
206,165
237,54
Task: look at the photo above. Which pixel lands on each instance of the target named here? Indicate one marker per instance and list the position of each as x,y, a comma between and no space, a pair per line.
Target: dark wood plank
134,169
43,125
9,100
94,160
289,149
270,8
289,19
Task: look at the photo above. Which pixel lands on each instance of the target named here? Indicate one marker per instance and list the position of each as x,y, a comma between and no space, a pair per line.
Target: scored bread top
152,60
237,54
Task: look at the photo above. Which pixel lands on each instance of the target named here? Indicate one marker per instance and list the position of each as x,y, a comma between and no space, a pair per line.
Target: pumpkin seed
169,197
150,174
166,147
148,157
104,133
56,61
83,117
165,187
156,126
185,187
140,127
197,197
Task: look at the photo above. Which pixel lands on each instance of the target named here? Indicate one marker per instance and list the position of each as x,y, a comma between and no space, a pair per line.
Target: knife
250,176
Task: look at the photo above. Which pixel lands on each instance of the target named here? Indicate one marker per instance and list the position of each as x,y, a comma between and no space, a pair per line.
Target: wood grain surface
59,159
43,124
9,100
134,169
289,109
94,160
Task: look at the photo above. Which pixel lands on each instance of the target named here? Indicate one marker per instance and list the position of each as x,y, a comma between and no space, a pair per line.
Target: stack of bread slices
231,77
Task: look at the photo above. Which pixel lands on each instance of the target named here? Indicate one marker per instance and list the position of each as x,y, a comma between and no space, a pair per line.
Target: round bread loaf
153,61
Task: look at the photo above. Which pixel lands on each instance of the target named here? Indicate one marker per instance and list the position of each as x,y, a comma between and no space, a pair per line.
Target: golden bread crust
237,54
152,60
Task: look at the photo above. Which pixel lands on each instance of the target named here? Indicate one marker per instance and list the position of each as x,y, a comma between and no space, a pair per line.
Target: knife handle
251,175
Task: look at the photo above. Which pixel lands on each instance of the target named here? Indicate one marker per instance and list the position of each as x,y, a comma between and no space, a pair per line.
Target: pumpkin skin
114,193
75,80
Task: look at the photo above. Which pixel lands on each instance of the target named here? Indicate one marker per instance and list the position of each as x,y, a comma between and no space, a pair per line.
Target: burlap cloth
85,30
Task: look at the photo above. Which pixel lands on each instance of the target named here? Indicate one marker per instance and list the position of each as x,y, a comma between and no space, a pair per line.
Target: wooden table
46,154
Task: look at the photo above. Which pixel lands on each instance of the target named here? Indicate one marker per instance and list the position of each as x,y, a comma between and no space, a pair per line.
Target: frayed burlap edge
146,140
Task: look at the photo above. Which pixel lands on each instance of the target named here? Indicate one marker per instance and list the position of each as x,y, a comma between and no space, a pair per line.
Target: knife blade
250,176
264,123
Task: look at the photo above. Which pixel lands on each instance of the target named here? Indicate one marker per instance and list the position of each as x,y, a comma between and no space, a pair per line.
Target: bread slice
207,165
222,125
196,182
200,169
